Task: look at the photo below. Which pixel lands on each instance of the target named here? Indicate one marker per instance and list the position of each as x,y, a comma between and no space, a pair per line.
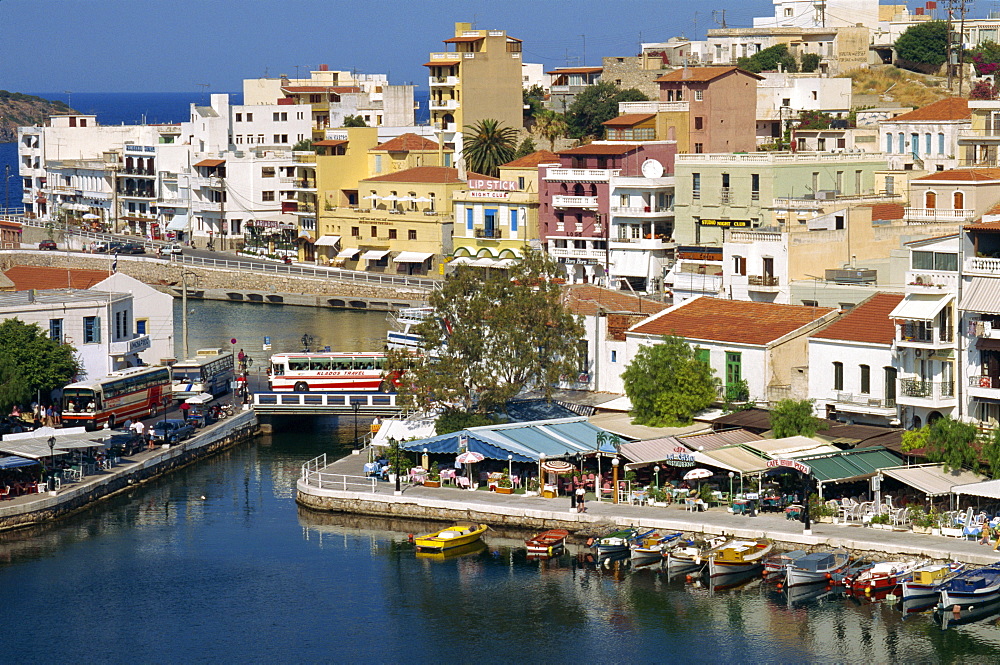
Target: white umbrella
373,197
470,457
91,215
698,474
390,198
422,199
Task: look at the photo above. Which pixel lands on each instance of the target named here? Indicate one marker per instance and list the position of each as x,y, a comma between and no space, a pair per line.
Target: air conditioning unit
825,194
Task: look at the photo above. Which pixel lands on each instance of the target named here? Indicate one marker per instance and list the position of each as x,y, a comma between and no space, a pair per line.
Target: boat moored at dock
739,556
451,537
818,567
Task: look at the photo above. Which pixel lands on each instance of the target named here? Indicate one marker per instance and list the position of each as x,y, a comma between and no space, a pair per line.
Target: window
821,144
275,116
91,329
699,148
846,306
840,182
927,143
810,303
888,143
411,234
267,196
141,326
788,11
267,172
520,182
249,117
755,186
695,185
239,117
355,231
56,330
374,231
614,356
699,122
941,143
739,265
704,355
866,379
958,199
392,234
930,200
838,376
857,182
277,138
513,223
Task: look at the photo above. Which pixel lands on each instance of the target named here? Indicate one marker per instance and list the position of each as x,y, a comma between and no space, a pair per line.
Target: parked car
101,246
47,244
115,247
131,248
175,249
9,425
171,431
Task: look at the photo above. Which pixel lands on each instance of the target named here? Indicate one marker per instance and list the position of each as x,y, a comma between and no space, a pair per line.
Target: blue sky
175,45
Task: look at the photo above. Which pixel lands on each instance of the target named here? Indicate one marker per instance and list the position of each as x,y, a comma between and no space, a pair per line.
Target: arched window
958,200
930,200
940,143
888,143
578,189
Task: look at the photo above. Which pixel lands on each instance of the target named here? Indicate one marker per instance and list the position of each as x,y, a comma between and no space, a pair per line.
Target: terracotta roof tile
629,119
970,175
532,160
407,142
868,322
428,174
736,321
951,108
575,70
43,278
330,143
984,226
884,211
316,89
701,74
587,300
601,149
460,40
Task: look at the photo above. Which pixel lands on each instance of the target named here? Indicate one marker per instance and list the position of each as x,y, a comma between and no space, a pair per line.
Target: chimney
324,68
31,295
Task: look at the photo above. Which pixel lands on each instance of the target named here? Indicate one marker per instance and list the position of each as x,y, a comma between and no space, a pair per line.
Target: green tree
814,120
526,148
491,338
769,60
354,121
986,58
455,421
533,100
303,145
809,62
31,363
596,105
915,439
551,126
667,385
487,145
951,442
924,43
791,417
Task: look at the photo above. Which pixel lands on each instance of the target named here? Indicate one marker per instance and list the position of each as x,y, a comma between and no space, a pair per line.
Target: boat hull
548,543
436,542
950,597
717,569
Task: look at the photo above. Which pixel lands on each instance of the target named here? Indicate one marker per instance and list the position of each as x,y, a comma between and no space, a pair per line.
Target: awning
15,461
374,254
483,263
305,236
327,241
179,223
735,459
212,163
412,257
981,294
792,447
441,63
329,143
932,480
850,465
505,263
348,253
920,306
461,260
989,489
629,264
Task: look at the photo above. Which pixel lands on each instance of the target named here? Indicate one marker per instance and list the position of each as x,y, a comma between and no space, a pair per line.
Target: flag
114,264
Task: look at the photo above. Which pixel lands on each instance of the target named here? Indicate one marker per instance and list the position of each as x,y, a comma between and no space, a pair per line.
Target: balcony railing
560,201
443,104
488,233
982,264
762,280
725,195
984,381
581,175
636,211
915,332
652,107
935,215
865,400
926,389
754,236
444,80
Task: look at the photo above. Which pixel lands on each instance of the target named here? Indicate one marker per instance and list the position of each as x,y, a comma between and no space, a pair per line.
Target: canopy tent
35,450
921,306
348,253
461,260
989,489
327,241
791,447
932,480
179,223
735,458
522,442
850,465
412,257
15,461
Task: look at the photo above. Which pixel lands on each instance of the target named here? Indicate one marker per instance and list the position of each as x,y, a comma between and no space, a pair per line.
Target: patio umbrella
558,467
373,197
469,458
91,215
698,474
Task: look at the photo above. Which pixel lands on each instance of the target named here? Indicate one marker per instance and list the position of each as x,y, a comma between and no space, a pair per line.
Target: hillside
877,86
18,110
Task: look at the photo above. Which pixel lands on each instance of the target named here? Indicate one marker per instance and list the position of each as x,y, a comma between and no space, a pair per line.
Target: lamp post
394,447
656,470
731,474
424,462
510,465
356,406
165,400
614,481
541,476
52,463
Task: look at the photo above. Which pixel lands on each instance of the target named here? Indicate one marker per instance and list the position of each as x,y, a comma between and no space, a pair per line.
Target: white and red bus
330,372
129,393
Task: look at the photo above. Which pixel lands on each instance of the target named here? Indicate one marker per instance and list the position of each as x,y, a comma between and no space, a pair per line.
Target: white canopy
932,480
412,257
989,489
374,254
327,241
483,263
179,223
348,253
920,306
461,260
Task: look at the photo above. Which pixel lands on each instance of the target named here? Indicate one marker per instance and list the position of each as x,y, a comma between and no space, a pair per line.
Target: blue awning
13,461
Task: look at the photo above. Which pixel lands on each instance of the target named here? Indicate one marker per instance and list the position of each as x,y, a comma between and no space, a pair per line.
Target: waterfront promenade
533,512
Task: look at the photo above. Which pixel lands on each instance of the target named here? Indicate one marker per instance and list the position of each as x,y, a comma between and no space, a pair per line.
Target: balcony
304,184
580,175
172,201
763,283
596,255
754,236
450,81
925,215
931,281
137,194
488,233
985,135
853,403
922,335
640,243
560,201
443,104
984,386
207,181
982,265
652,107
917,392
644,211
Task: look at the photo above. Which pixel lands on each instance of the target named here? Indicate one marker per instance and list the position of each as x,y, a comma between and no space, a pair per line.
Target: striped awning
327,241
412,257
981,294
348,253
374,254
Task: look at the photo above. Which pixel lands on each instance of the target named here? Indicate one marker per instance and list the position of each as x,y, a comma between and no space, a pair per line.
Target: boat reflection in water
475,547
967,613
808,594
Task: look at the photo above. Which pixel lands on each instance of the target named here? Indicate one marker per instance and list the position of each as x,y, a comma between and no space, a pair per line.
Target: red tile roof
868,322
951,108
37,277
884,211
629,119
971,175
532,160
330,143
426,174
575,70
587,300
736,321
601,149
984,226
407,142
701,74
317,89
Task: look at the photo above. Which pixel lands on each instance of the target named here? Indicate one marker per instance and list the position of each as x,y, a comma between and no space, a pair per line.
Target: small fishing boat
926,581
776,564
882,576
738,556
692,554
978,586
653,546
451,537
475,547
817,567
547,543
617,542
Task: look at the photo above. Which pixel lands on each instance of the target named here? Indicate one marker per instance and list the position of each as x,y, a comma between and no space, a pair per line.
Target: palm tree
487,145
550,125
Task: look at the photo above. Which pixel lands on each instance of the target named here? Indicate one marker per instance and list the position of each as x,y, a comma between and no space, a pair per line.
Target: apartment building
568,82
927,138
783,96
978,143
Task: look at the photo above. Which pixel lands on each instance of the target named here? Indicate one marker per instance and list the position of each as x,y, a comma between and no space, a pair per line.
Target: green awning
851,464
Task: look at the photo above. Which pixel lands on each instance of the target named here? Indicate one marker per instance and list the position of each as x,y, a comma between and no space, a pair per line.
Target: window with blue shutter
468,220
513,221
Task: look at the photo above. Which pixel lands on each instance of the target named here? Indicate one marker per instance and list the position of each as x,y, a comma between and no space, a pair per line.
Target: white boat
926,581
975,586
817,567
653,547
738,556
618,542
883,576
405,320
692,554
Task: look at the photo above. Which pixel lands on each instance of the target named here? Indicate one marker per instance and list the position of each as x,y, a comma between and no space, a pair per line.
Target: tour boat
450,537
405,320
882,576
776,565
653,546
927,580
692,554
738,556
978,585
547,543
618,541
817,567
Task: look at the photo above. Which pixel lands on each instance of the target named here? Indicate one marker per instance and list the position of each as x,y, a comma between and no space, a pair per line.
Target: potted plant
881,521
504,485
433,478
819,511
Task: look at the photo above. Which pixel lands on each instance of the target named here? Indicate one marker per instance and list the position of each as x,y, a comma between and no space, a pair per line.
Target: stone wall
627,72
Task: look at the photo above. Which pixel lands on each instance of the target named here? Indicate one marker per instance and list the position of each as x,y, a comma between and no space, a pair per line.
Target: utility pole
584,62
961,47
948,49
719,16
184,310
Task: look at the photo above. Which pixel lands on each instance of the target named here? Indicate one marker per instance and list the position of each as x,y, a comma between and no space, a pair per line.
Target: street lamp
425,462
656,470
541,477
510,465
614,481
731,474
52,464
394,446
356,406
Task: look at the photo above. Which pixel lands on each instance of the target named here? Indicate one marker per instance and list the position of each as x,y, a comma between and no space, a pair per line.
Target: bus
136,392
330,372
210,371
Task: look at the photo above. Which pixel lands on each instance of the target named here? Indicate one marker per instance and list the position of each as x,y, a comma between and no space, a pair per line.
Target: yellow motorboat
451,537
475,547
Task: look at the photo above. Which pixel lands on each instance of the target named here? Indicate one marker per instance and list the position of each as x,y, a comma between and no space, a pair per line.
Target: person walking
185,407
580,493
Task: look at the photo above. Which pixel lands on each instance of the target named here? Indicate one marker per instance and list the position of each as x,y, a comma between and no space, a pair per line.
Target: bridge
325,404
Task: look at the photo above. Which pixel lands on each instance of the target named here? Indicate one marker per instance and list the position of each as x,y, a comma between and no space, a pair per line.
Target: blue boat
976,586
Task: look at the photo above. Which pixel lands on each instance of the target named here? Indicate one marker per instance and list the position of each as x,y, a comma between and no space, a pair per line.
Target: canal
216,563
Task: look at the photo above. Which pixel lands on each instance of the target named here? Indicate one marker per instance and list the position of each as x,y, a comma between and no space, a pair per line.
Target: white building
781,97
642,227
98,324
926,139
696,271
825,14
532,74
153,315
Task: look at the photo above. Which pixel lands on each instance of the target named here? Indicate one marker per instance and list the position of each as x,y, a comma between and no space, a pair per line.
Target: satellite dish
652,169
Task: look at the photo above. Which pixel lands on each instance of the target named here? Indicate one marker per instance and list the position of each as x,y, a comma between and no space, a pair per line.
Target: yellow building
407,151
498,219
479,79
404,222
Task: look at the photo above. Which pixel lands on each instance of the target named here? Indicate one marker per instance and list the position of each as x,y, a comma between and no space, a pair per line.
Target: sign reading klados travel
790,463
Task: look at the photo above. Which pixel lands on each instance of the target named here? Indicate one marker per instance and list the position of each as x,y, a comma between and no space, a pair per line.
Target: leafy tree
597,104
491,338
915,439
769,60
303,145
990,452
354,121
533,99
667,384
814,120
792,417
809,62
986,58
30,363
951,442
737,397
453,420
526,148
487,145
551,125
924,43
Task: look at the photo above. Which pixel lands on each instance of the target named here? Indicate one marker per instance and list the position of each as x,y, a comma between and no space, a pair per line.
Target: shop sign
486,194
789,463
494,185
577,261
726,223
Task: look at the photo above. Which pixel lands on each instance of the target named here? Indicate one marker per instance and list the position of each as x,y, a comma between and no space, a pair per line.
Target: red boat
547,543
883,576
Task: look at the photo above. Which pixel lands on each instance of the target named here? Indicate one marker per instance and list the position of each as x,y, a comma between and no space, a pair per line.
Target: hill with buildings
20,110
